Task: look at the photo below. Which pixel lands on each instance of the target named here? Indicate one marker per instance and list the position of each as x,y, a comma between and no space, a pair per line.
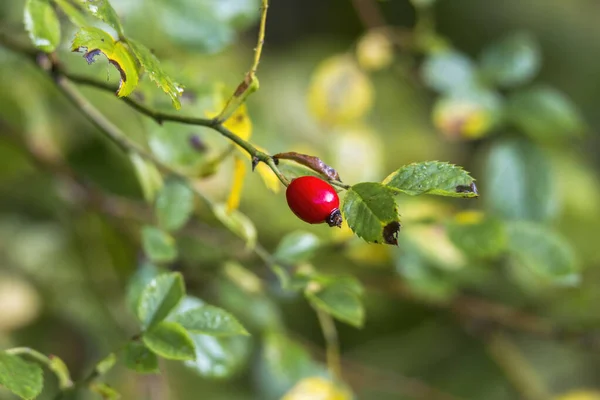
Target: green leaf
106,364
483,237
156,73
210,320
105,391
171,341
432,177
138,282
93,41
219,357
148,176
448,71
518,181
158,245
282,364
370,210
297,247
102,10
544,253
544,114
338,300
139,358
160,297
205,25
22,378
237,223
174,204
512,61
60,369
72,12
42,25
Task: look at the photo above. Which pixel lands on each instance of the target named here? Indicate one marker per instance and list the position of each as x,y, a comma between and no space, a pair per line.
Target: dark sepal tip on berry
314,201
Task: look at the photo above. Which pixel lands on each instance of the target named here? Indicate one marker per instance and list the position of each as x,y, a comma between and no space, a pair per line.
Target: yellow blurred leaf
357,154
267,175
374,51
339,91
239,172
317,388
434,243
579,395
471,217
239,122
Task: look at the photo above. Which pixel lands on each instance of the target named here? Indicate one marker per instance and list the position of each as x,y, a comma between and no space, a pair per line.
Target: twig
369,13
332,344
261,36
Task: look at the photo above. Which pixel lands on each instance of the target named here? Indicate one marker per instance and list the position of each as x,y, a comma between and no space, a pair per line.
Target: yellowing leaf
374,51
239,172
339,91
317,388
239,122
580,395
95,41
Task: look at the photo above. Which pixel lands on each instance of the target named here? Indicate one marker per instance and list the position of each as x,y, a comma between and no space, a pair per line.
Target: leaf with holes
42,25
159,297
371,213
432,177
93,41
171,341
156,72
23,378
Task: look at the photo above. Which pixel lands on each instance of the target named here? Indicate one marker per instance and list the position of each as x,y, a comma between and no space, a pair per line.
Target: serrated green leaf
171,341
518,181
448,71
72,12
543,252
174,204
370,211
296,247
432,177
159,297
148,176
60,369
138,282
105,391
139,358
210,320
106,364
42,25
484,237
338,300
22,378
544,114
93,41
156,73
102,10
512,61
158,245
237,223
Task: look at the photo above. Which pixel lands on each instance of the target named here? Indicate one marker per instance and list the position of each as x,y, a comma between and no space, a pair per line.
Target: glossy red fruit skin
313,200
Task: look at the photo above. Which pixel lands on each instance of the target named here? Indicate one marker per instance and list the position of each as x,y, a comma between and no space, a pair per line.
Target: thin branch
332,344
369,13
261,36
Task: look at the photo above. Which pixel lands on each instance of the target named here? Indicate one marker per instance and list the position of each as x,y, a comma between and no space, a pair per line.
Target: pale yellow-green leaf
237,183
317,388
374,51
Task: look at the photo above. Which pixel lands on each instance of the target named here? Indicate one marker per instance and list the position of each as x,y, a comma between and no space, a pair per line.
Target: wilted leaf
477,235
312,162
512,61
140,359
543,252
171,341
317,388
339,300
237,223
296,247
155,71
448,71
158,245
42,25
518,181
23,378
95,41
468,114
544,114
174,204
159,297
371,213
148,175
210,320
432,177
339,91
102,10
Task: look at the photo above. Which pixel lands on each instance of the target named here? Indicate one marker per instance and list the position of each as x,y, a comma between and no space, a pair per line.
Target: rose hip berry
314,201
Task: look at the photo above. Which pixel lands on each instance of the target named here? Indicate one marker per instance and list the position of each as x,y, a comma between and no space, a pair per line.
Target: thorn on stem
255,161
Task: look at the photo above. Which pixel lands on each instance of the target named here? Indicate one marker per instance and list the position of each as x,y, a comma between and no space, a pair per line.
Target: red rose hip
314,201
